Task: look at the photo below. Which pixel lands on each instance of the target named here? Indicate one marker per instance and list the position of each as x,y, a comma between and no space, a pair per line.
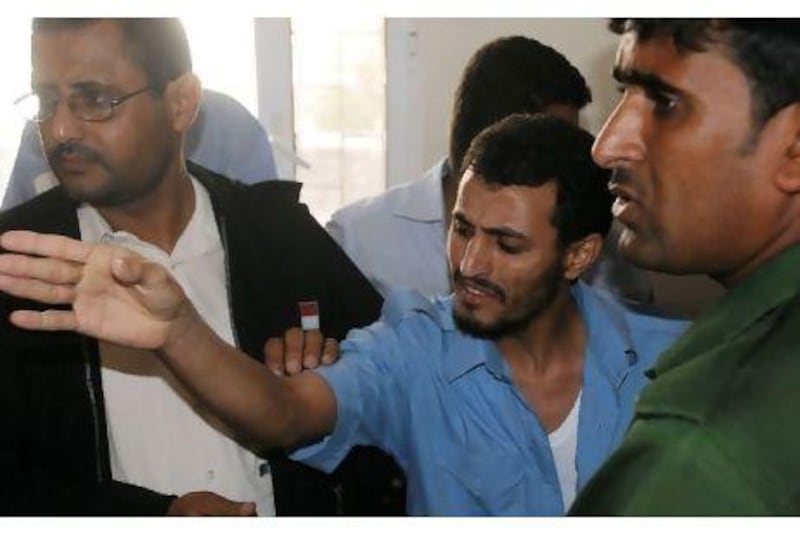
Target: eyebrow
647,81
90,86
500,231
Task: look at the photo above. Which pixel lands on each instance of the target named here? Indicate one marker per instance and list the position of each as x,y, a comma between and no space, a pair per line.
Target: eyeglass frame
112,104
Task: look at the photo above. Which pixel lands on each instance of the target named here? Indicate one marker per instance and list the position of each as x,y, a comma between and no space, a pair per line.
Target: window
223,55
16,32
338,73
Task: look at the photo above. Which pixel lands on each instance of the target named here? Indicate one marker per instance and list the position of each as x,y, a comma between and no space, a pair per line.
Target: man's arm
119,297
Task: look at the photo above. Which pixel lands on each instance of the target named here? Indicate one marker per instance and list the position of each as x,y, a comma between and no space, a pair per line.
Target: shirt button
632,357
210,475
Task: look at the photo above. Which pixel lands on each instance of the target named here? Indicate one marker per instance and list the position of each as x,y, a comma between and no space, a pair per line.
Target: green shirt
717,432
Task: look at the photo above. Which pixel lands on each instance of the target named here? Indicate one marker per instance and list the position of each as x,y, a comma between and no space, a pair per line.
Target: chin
490,330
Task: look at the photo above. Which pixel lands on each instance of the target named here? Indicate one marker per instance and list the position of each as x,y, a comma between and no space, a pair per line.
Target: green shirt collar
689,376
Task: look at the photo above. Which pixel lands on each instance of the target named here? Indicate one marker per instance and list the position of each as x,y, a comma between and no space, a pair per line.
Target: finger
312,350
40,291
273,355
330,351
56,246
45,269
293,351
45,320
158,291
130,268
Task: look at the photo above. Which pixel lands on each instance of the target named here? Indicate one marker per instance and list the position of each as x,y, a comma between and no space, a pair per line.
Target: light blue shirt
398,240
444,405
225,138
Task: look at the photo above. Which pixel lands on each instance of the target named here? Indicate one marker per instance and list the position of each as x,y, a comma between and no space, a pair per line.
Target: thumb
127,268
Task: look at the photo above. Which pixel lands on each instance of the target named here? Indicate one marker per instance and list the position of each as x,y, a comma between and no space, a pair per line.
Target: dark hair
511,75
766,50
532,150
158,45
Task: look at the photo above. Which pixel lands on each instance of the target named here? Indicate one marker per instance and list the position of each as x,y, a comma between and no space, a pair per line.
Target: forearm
266,410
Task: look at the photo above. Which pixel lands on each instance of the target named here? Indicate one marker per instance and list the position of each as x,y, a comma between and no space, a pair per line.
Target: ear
787,179
581,255
182,98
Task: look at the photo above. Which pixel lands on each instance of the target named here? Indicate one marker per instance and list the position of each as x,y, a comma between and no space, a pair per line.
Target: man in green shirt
705,149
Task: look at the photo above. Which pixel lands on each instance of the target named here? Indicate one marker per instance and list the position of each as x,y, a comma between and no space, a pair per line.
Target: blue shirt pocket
490,484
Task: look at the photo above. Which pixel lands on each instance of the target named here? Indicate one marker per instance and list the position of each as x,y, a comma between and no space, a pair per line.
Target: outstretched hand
115,294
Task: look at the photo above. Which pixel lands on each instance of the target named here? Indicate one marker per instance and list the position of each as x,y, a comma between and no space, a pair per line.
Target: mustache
480,283
72,149
619,177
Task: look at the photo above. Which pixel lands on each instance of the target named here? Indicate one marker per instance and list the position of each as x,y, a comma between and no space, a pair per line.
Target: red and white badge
309,315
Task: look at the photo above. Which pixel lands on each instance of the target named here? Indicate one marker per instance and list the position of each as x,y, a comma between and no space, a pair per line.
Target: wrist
183,329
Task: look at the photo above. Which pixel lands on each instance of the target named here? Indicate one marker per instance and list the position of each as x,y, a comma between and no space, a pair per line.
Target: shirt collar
690,375
423,199
199,237
769,286
609,344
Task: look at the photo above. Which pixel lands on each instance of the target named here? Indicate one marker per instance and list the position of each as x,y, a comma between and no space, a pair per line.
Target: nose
63,126
476,260
621,140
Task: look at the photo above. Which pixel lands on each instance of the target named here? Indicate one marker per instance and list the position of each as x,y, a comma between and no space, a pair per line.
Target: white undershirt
159,437
564,445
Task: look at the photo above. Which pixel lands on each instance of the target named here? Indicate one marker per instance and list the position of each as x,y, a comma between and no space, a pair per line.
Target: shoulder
50,212
263,194
220,108
413,322
376,207
646,331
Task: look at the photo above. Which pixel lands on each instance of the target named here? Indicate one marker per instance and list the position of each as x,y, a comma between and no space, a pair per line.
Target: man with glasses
225,138
87,429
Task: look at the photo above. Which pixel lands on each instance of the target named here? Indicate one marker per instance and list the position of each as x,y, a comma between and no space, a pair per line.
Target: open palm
116,295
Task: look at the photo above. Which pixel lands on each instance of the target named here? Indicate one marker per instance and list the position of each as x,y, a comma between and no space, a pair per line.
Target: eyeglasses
88,105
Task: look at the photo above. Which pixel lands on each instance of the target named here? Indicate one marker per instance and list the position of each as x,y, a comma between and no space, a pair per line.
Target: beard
538,297
117,188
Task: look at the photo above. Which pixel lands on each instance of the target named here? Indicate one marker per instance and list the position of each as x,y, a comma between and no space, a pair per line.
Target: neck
554,340
160,216
786,234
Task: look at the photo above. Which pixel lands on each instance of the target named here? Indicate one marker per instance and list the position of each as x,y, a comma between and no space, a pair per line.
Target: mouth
474,294
625,203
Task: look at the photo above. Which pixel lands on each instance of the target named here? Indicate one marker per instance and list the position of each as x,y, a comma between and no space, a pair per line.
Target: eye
460,228
509,247
94,99
664,104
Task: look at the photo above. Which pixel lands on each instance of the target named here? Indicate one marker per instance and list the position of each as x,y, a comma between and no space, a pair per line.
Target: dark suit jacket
53,444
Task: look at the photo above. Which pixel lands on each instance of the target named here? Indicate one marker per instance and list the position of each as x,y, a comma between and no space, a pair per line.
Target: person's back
225,138
398,238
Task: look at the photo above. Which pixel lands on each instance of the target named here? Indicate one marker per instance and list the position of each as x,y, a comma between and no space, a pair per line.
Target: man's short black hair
532,150
158,45
511,75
